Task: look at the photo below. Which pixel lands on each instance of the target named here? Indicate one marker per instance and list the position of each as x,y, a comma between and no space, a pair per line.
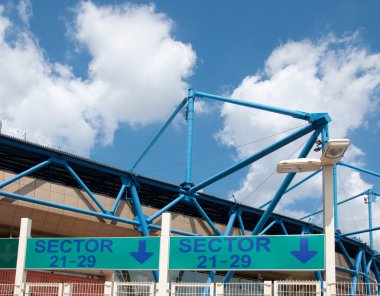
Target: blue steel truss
366,259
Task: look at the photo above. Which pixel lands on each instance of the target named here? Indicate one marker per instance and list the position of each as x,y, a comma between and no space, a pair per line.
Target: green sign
93,253
8,253
285,252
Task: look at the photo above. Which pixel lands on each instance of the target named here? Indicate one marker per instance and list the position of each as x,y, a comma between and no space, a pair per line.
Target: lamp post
332,154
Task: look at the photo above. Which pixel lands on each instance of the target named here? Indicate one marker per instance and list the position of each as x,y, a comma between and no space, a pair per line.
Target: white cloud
25,11
137,76
332,75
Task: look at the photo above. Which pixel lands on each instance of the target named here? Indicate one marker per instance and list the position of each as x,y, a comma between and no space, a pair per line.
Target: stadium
65,195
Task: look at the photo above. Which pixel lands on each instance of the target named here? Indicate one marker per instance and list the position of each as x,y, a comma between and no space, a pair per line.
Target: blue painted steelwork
189,152
180,106
139,211
283,227
359,169
359,231
166,208
318,276
140,214
227,232
345,254
305,151
25,173
205,216
268,227
295,114
356,272
369,203
294,186
339,203
80,182
68,208
377,274
365,276
318,121
118,198
241,223
245,162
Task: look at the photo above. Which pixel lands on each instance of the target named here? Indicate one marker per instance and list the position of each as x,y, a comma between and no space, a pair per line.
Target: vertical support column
328,226
67,290
163,285
335,183
60,289
190,122
267,288
140,214
370,196
219,289
20,278
108,285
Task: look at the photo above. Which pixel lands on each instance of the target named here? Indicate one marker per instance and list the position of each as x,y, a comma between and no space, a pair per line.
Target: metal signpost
280,252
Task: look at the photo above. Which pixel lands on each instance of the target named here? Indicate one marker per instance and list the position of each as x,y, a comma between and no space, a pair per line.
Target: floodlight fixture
298,165
334,151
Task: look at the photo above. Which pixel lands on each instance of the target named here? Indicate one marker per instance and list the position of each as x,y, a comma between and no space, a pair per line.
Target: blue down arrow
142,255
304,255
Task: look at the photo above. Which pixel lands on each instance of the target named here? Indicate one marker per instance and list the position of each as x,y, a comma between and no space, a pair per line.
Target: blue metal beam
369,203
85,188
295,114
356,273
139,211
288,179
158,135
359,231
68,208
118,198
241,223
190,125
245,162
268,227
339,203
283,227
140,214
204,215
359,169
345,254
294,186
86,212
227,232
165,208
366,275
25,173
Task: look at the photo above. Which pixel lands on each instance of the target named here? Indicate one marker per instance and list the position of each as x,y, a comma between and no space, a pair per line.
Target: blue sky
106,74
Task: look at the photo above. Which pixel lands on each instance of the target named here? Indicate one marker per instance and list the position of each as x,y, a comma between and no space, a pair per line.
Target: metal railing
243,289
133,289
6,289
358,289
267,288
43,289
192,289
297,288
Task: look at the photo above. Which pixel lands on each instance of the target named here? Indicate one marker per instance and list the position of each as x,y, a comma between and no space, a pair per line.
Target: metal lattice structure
30,159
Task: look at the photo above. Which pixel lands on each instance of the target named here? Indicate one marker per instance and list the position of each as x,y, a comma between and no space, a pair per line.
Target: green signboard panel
290,252
8,253
93,253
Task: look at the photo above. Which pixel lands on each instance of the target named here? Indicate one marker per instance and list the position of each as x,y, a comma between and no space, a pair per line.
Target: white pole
20,279
163,285
328,227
